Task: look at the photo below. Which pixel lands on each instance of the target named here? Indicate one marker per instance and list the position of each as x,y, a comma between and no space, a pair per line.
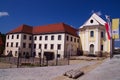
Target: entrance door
91,49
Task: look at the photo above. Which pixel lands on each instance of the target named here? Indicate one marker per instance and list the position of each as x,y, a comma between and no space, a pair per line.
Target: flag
116,28
108,27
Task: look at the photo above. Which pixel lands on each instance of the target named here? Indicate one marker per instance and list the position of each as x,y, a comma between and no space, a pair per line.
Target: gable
94,20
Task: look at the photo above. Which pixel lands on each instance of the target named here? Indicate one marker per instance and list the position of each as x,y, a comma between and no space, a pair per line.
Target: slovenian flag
108,27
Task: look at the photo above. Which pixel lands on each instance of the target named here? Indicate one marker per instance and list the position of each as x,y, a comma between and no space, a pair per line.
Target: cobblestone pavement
109,70
39,73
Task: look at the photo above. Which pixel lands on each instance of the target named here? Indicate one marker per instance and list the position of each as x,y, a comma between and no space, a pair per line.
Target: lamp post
68,54
57,58
40,56
18,57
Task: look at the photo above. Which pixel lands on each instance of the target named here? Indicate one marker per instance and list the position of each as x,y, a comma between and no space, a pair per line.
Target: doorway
91,49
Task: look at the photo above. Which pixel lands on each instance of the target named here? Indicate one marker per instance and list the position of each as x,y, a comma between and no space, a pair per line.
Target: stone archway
91,49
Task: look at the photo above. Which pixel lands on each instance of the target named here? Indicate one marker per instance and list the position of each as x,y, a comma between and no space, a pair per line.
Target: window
78,40
16,44
59,46
46,37
39,46
7,44
45,46
35,38
11,44
102,34
8,36
30,45
12,36
67,38
74,39
91,33
71,39
59,37
40,38
101,47
24,37
15,53
34,54
17,36
52,46
52,37
24,54
30,37
91,21
34,46
24,45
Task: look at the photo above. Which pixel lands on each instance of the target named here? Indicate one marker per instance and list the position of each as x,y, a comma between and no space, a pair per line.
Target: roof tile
51,28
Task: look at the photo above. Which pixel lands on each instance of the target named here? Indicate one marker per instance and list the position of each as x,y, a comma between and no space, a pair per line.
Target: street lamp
18,57
57,58
40,56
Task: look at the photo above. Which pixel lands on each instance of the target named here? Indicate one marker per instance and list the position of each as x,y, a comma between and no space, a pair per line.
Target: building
57,39
93,36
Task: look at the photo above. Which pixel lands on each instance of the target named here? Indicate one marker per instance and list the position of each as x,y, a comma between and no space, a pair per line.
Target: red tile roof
22,29
51,28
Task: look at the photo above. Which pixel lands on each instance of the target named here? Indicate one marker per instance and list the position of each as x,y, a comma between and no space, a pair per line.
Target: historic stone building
59,39
93,36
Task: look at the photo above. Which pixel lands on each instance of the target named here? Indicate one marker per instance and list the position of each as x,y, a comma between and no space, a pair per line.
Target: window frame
91,33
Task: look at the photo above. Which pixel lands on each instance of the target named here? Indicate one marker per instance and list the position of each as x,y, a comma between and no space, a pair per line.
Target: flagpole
109,32
111,40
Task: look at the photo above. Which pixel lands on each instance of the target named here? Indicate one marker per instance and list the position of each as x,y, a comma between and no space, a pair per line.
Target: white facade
14,42
35,44
93,36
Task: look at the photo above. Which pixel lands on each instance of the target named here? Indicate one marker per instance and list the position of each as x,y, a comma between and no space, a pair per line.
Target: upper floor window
101,47
35,38
67,38
59,37
30,45
7,44
17,36
78,40
52,37
40,38
52,46
12,36
30,37
71,39
34,46
11,44
102,34
45,46
91,33
24,37
8,37
24,45
40,46
46,37
74,39
59,46
16,44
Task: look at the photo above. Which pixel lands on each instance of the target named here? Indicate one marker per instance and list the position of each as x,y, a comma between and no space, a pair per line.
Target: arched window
91,33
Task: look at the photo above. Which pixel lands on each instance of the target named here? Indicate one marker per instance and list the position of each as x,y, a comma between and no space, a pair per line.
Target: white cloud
4,14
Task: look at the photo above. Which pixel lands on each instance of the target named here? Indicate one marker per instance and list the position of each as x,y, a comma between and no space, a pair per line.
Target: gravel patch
39,73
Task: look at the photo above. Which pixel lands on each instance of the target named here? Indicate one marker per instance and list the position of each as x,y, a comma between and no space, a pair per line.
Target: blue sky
41,12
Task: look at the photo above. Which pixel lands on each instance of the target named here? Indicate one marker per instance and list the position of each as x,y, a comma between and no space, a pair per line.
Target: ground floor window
101,47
